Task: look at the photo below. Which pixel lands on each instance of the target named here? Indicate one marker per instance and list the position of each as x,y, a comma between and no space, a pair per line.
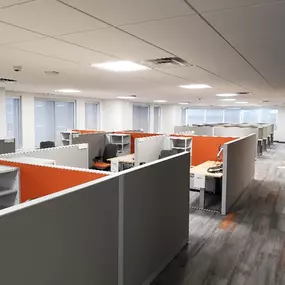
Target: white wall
116,115
171,116
3,131
280,132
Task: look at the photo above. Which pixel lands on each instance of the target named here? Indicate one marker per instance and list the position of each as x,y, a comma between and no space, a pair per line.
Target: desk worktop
202,169
130,158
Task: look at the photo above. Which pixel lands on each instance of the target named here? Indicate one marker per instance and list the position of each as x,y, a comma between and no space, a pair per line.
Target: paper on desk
199,181
114,165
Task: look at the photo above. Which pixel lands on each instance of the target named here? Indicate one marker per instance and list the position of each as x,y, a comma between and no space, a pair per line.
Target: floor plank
246,249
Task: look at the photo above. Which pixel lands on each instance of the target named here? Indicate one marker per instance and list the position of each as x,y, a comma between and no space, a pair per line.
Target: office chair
166,153
102,163
47,144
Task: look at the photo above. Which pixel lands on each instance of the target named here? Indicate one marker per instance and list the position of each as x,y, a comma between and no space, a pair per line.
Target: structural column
3,126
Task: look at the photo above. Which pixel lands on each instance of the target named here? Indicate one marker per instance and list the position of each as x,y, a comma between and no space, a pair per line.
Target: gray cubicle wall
155,217
7,145
70,237
96,144
238,170
198,131
71,155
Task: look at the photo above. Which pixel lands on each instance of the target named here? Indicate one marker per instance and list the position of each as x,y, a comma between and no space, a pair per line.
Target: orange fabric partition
206,148
136,136
38,181
86,131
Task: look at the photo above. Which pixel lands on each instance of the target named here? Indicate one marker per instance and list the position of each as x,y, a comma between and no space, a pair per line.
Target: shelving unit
9,186
181,144
123,143
66,137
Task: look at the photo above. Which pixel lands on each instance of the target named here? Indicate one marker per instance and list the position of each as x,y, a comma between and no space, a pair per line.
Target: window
51,118
91,116
156,119
214,116
13,120
141,117
195,116
269,116
250,116
232,116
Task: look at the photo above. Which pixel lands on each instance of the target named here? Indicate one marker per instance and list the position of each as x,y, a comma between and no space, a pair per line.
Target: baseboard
279,141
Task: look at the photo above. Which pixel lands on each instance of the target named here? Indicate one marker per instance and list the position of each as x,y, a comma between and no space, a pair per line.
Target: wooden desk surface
202,169
130,158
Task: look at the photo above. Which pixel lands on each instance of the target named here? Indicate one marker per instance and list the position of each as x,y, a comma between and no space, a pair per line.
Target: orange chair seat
101,165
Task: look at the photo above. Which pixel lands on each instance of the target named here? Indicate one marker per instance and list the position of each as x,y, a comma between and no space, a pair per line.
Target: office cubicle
7,145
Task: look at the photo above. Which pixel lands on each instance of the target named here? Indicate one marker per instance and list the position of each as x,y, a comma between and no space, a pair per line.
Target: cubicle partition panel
96,144
70,237
154,217
38,180
72,155
7,146
148,149
86,131
198,130
136,135
238,169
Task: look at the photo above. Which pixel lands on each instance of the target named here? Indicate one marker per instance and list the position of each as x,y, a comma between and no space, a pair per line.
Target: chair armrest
97,158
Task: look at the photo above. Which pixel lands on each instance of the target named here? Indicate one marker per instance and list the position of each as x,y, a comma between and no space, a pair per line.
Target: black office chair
47,144
166,153
102,163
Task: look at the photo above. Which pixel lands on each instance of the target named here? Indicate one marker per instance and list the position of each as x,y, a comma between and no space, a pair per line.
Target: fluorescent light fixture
120,66
159,101
195,86
68,91
241,102
127,97
228,99
226,95
183,103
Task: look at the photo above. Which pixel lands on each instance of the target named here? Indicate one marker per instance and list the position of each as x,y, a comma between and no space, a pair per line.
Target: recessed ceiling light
127,97
120,66
241,102
68,91
183,103
226,95
195,86
228,99
159,101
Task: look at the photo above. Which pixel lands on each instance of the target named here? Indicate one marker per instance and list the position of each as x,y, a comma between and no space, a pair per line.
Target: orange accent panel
136,136
205,148
38,181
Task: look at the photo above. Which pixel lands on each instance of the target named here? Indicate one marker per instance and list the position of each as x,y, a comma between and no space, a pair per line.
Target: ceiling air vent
265,101
243,93
166,62
7,80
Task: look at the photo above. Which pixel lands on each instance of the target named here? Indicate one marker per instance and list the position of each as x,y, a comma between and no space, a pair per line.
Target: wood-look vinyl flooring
245,248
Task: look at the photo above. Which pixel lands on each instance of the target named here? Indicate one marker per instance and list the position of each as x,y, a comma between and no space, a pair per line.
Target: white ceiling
233,45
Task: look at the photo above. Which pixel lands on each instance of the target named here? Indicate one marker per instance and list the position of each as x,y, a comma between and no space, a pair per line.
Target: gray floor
247,246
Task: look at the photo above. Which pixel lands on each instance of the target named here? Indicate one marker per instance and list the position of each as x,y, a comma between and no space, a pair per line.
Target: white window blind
195,116
51,118
91,116
141,117
157,119
232,116
250,116
13,120
214,116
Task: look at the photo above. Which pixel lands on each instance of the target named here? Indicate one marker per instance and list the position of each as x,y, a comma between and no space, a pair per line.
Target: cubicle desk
202,170
118,162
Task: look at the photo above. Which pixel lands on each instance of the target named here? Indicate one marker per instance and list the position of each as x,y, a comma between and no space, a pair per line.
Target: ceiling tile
132,11
58,49
49,17
116,43
10,34
8,3
262,42
193,40
216,5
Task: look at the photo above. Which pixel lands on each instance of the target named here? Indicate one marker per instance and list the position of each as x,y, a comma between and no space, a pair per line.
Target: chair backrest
110,151
166,153
47,144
